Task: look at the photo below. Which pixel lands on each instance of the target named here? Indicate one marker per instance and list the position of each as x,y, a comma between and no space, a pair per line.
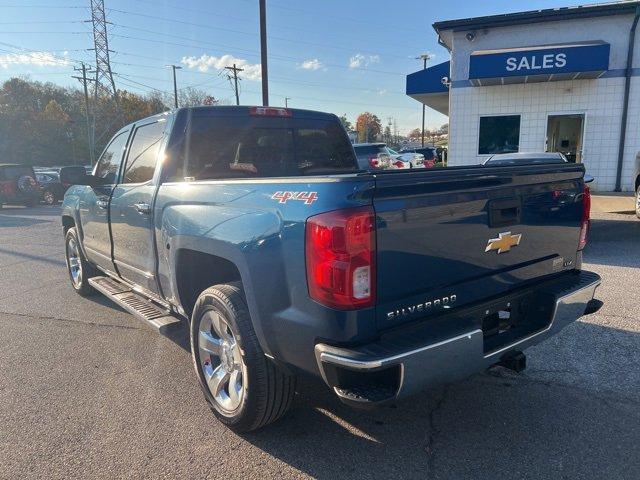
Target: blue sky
342,56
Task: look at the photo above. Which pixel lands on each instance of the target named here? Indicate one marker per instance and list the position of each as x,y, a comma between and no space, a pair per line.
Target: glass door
564,135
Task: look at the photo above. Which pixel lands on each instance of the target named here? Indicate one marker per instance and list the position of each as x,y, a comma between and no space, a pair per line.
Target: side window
143,153
109,162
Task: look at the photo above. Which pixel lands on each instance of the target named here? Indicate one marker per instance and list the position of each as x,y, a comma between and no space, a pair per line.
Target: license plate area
510,319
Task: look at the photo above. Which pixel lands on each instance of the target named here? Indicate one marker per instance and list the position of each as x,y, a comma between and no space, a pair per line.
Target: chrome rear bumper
445,359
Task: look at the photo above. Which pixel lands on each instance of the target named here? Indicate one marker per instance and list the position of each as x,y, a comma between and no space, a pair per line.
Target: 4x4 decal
307,197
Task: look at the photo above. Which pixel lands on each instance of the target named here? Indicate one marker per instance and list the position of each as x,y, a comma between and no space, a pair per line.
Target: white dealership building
565,79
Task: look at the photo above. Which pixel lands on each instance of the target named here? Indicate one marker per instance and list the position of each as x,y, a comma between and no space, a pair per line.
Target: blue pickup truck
255,227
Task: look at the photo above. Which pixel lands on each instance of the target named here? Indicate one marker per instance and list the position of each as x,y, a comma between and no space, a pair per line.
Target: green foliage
348,126
44,124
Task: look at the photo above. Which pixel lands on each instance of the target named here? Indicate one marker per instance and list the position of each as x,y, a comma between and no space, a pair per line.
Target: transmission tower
106,104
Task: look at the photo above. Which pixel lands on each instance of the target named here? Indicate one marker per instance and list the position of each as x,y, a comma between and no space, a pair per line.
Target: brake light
586,215
270,112
340,248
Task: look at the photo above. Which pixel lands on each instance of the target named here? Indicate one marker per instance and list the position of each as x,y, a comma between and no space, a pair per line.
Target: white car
415,160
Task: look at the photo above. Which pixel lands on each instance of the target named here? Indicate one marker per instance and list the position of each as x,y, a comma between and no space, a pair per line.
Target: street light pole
175,84
286,102
424,57
263,53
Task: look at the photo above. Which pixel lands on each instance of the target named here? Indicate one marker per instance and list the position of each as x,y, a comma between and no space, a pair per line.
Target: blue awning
429,80
427,86
539,64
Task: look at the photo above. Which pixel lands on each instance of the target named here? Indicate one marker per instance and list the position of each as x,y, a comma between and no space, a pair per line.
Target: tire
49,197
74,257
264,391
638,202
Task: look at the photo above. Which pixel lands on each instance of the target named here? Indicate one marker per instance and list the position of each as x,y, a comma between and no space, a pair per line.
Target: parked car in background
428,153
372,156
18,185
51,187
415,160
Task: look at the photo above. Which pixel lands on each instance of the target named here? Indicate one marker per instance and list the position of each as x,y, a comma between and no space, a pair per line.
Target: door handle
142,208
102,203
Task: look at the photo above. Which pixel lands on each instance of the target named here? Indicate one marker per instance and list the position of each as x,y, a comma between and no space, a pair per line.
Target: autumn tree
44,124
368,127
415,134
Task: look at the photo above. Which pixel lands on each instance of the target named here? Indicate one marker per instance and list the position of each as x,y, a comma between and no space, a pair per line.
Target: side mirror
588,178
78,176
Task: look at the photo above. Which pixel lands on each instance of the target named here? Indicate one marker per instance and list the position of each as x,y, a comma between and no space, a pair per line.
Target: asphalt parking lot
88,391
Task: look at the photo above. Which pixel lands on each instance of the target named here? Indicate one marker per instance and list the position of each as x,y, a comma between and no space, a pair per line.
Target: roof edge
537,16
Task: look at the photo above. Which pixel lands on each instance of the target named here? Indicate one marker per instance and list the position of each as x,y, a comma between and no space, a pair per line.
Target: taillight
399,164
270,112
340,248
586,214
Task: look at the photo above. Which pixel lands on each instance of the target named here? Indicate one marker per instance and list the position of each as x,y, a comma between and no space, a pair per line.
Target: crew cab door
94,204
132,208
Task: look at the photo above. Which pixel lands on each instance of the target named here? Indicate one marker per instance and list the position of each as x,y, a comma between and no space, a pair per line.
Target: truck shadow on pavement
574,416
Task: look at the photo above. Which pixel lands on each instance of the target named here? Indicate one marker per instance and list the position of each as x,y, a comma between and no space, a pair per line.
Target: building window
499,134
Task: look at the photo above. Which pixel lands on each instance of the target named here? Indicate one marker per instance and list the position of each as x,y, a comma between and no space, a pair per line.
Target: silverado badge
504,242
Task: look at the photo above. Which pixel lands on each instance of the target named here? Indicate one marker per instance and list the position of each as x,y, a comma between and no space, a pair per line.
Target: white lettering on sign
534,62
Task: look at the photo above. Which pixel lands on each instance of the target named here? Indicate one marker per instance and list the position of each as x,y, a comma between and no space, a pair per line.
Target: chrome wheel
73,262
221,361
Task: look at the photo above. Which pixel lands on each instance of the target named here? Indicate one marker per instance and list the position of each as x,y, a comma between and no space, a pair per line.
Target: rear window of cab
219,147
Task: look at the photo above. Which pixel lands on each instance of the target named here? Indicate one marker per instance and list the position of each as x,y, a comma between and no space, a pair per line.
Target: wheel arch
195,271
67,222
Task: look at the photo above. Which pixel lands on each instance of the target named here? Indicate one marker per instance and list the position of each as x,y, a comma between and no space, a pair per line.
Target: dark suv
18,185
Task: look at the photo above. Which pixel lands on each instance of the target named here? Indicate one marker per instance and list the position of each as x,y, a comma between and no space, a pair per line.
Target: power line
339,17
296,41
282,58
287,27
33,22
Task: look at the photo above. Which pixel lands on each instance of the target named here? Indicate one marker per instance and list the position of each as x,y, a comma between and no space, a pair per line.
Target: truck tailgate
451,237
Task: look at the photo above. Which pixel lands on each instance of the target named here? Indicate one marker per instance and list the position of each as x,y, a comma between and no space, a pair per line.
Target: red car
18,185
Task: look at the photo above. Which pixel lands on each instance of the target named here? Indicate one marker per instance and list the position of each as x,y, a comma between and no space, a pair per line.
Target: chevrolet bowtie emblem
504,242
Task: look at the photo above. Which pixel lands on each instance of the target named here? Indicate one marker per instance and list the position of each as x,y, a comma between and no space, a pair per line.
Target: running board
135,303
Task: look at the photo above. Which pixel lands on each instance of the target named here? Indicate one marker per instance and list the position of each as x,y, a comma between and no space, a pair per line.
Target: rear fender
222,231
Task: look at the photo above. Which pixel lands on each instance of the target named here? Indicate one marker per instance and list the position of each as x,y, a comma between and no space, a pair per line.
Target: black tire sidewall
215,299
83,288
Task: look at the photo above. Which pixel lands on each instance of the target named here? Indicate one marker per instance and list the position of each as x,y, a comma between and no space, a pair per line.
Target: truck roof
233,110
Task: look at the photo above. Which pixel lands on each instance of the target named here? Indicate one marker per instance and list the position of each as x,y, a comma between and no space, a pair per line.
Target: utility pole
424,57
286,102
263,53
85,81
235,71
175,84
